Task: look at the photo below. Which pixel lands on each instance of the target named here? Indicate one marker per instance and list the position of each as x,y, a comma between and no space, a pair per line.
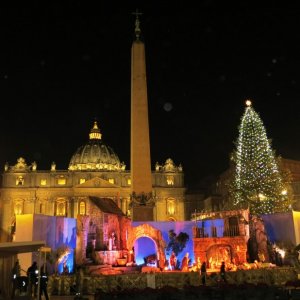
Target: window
61,207
111,180
43,182
129,181
171,207
82,208
81,180
61,180
20,180
170,180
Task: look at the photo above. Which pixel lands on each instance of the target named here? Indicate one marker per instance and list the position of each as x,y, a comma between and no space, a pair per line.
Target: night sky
62,66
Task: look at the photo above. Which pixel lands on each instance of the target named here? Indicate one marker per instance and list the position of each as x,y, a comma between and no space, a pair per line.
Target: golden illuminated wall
34,227
24,233
296,219
170,206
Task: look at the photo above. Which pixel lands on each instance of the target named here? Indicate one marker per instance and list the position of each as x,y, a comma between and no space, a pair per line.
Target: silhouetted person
15,274
43,284
223,272
32,274
203,273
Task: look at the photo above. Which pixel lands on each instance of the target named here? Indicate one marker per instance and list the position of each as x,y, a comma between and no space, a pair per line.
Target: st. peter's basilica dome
95,156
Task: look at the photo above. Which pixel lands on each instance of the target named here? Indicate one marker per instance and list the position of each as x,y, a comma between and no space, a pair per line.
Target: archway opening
216,254
145,251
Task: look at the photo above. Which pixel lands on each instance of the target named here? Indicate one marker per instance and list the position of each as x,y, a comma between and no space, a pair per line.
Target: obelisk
141,182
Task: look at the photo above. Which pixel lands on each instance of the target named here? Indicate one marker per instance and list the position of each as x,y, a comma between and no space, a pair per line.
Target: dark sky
62,66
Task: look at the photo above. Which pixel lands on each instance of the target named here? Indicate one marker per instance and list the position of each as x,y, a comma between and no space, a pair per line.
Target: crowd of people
29,284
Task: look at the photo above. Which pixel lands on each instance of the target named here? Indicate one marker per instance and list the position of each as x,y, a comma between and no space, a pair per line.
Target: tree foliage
177,242
259,182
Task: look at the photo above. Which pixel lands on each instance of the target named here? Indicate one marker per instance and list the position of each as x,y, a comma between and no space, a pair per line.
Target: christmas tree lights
257,180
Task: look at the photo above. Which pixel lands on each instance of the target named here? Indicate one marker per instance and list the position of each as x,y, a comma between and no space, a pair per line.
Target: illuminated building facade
94,171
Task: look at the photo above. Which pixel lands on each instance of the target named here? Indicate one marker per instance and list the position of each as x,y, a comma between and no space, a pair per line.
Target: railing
216,231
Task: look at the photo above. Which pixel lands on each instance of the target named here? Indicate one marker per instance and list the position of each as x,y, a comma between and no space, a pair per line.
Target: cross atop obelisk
137,29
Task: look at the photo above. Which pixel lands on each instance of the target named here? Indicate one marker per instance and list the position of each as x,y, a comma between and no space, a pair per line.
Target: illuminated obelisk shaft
141,181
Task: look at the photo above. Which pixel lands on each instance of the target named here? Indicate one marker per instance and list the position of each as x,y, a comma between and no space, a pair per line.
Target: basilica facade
94,172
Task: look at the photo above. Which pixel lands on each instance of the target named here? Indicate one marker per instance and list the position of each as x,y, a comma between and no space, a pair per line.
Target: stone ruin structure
226,242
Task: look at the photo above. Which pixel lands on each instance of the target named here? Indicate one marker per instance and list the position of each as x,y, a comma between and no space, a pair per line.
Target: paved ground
225,292
207,293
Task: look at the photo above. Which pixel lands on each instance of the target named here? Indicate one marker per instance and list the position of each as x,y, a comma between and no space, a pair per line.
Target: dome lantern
95,155
95,132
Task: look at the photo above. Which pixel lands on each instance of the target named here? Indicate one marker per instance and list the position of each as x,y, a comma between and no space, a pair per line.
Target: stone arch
61,207
220,252
145,230
237,246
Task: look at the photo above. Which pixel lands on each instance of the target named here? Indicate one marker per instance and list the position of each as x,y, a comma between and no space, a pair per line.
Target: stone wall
62,285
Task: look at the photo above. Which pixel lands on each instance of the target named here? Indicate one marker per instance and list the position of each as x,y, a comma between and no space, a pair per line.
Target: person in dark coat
203,273
32,274
223,272
15,275
43,284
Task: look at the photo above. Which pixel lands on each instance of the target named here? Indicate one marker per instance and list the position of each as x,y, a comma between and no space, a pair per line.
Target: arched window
170,180
61,207
20,180
82,208
171,206
61,180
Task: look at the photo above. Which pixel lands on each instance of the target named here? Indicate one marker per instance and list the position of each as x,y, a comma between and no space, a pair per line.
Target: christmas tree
258,180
